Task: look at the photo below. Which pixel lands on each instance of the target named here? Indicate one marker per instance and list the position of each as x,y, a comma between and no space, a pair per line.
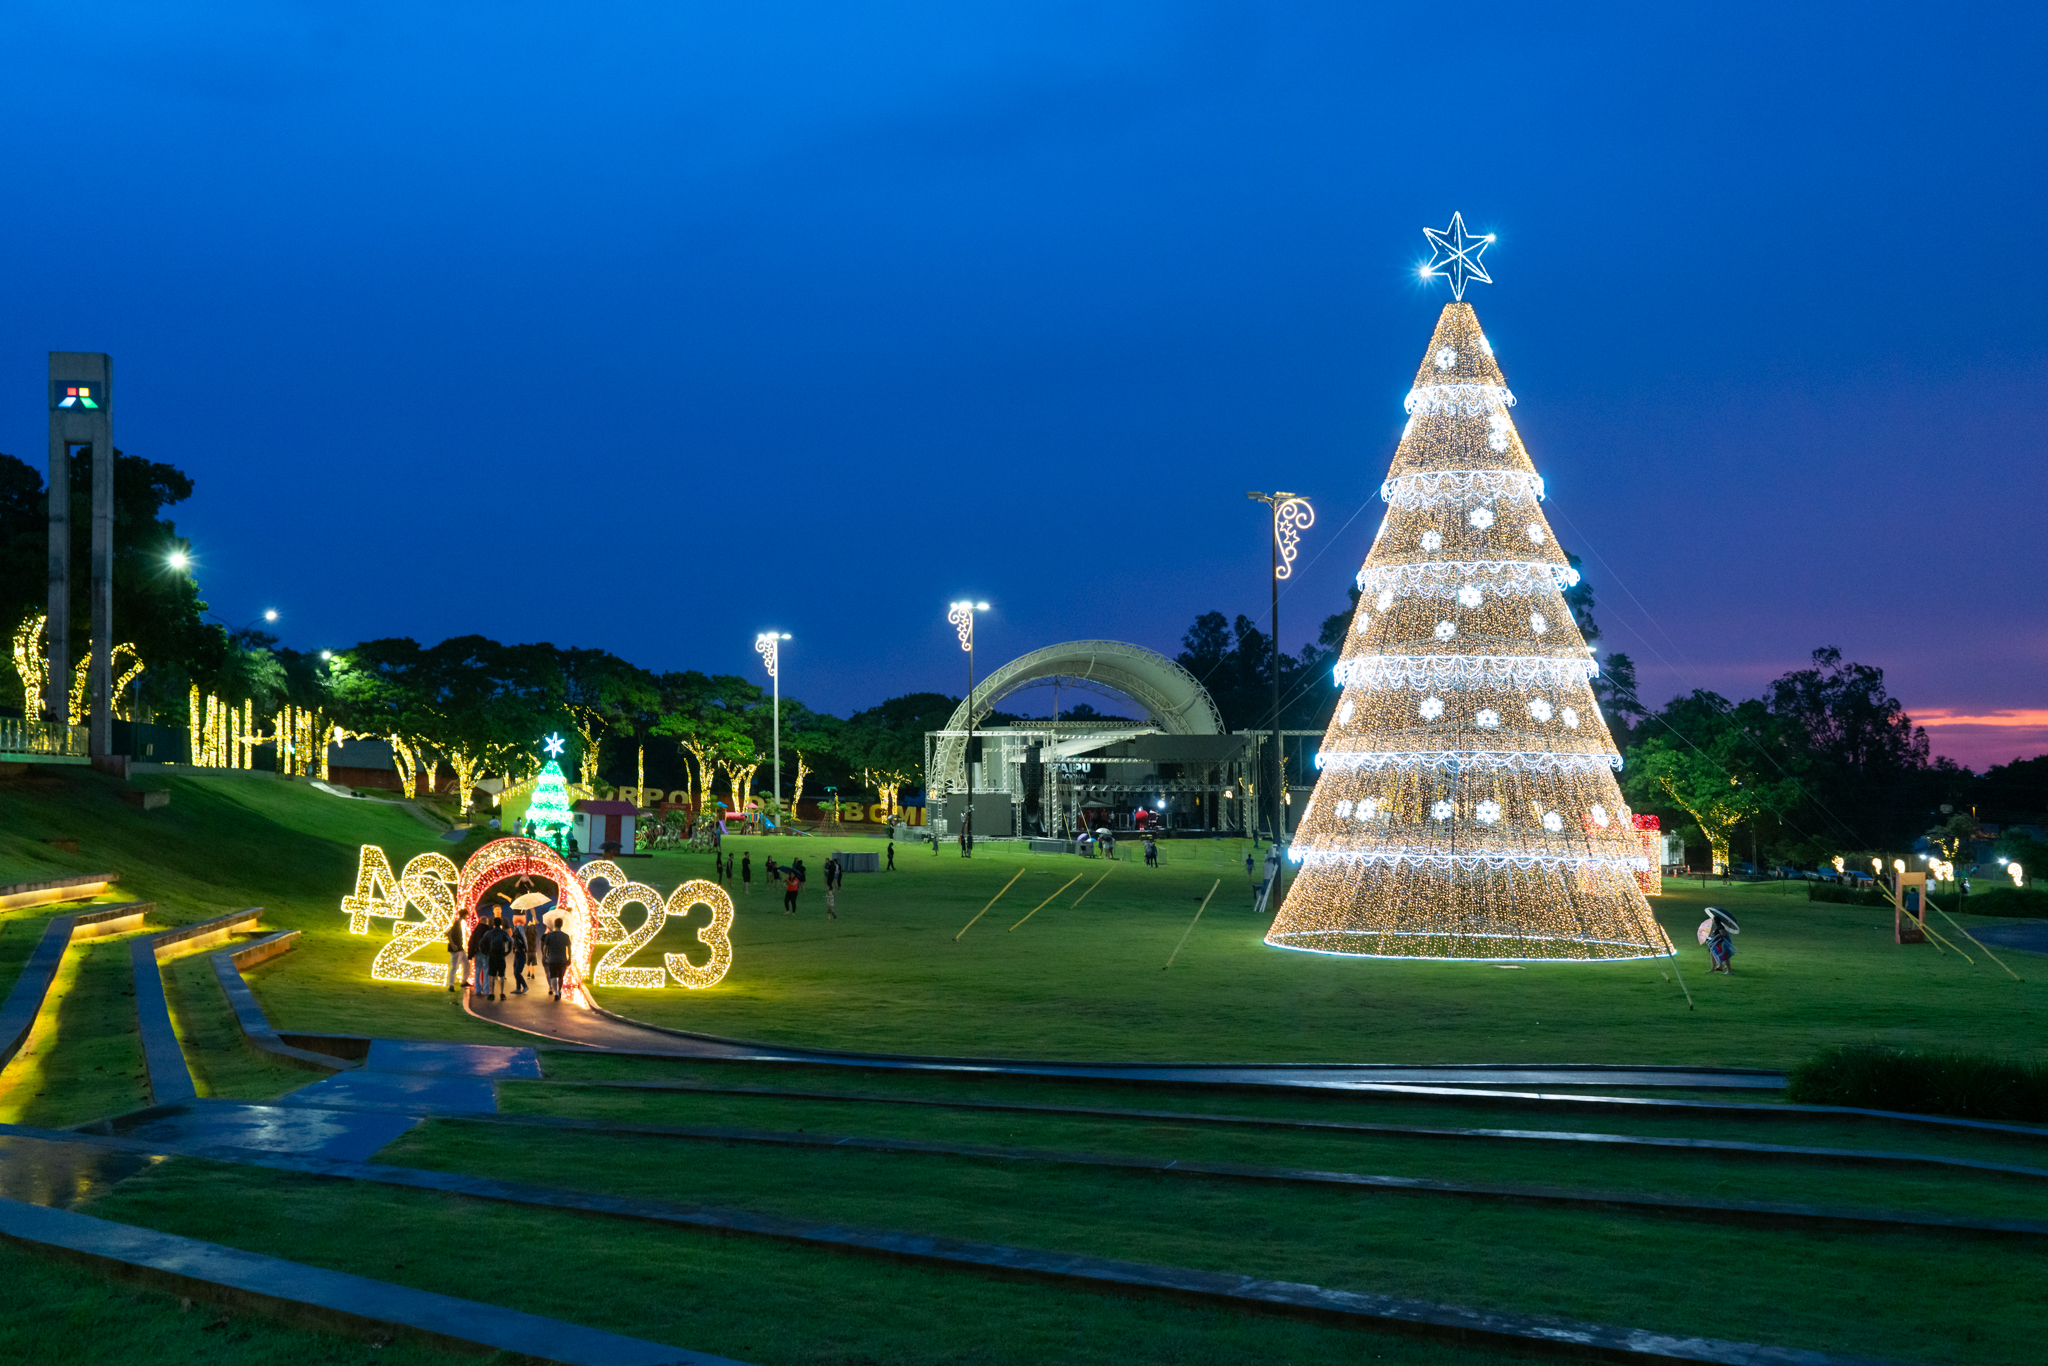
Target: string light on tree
1498,829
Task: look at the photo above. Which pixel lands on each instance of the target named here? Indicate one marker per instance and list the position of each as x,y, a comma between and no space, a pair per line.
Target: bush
1970,1085
1847,896
2000,901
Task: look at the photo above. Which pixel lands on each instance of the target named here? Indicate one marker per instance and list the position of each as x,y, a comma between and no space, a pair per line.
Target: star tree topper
553,744
1456,256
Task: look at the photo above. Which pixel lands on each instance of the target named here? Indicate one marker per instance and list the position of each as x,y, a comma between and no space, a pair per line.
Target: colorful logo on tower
78,395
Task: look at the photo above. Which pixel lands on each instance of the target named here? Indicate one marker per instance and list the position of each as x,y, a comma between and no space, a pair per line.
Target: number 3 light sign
432,885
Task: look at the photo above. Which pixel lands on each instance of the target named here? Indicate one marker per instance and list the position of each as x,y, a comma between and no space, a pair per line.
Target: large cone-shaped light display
1466,805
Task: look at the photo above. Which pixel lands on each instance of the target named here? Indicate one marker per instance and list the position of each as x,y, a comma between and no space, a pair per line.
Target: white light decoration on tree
1446,358
1488,840
1344,714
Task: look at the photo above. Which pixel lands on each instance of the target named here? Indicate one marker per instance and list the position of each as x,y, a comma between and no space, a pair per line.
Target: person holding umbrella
1714,932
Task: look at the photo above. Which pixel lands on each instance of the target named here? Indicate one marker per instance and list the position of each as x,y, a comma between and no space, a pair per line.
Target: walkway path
581,1022
2031,935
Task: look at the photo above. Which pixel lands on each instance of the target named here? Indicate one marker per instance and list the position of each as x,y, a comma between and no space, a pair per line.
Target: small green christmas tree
548,813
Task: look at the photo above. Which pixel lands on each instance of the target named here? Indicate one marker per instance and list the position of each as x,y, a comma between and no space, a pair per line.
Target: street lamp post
769,644
1291,515
961,614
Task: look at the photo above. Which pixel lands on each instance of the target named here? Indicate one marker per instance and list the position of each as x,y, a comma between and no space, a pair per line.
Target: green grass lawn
1080,982
71,1316
746,1298
1090,983
1084,982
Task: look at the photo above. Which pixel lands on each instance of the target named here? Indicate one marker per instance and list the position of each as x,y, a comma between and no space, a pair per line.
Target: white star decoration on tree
1456,256
553,745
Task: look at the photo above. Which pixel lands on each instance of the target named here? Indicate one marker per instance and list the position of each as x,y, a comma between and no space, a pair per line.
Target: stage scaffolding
1038,777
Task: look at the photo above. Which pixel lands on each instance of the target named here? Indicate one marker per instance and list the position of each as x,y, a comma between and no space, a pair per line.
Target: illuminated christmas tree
1467,805
549,812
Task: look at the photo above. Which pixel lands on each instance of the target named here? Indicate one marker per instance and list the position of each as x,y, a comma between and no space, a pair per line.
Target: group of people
790,877
490,944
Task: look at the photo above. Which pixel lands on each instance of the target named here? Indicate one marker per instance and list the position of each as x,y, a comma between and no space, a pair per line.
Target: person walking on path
554,958
746,874
455,954
497,945
525,948
892,856
1714,932
479,959
789,891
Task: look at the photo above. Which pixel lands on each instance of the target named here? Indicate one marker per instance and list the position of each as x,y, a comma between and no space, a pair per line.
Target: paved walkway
578,1022
2030,935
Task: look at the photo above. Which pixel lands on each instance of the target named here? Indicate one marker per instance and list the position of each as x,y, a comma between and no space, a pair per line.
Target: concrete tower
81,415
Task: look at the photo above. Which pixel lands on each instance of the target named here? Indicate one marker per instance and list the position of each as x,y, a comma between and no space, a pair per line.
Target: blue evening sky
650,327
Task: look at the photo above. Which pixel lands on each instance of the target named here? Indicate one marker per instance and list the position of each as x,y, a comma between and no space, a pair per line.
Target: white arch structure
1179,704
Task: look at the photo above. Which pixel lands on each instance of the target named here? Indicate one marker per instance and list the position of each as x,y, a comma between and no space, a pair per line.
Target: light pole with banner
769,644
961,614
1291,516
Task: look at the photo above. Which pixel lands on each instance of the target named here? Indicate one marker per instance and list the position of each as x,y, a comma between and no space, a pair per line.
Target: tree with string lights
1466,805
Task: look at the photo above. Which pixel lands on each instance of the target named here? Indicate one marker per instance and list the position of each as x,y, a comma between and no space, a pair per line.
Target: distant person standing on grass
892,855
746,874
554,958
455,954
789,891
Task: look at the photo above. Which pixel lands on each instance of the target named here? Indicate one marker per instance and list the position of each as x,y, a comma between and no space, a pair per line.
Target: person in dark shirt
479,958
497,945
746,874
455,954
525,944
892,856
554,958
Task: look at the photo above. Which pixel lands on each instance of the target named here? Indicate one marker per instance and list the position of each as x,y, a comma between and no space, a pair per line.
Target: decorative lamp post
961,614
769,644
1291,516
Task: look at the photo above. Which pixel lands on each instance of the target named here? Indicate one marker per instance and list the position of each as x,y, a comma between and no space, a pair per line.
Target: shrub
1847,896
2000,901
1970,1085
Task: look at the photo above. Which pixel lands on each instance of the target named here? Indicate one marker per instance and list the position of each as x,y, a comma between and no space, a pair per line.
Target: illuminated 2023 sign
432,885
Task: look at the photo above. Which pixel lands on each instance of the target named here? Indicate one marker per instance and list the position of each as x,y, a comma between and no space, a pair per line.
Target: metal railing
38,737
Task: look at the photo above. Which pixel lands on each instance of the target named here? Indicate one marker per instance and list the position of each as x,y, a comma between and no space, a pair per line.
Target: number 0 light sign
432,885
